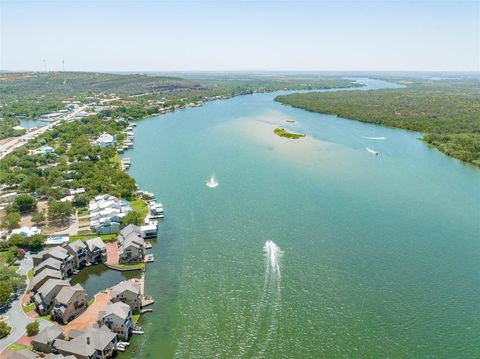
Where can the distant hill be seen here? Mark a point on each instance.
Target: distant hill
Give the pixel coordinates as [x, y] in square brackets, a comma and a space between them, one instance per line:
[53, 84]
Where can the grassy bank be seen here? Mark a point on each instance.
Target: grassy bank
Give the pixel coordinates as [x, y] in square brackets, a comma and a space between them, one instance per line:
[447, 111]
[282, 133]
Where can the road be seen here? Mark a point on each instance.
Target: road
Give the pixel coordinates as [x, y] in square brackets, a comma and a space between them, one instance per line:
[15, 316]
[17, 142]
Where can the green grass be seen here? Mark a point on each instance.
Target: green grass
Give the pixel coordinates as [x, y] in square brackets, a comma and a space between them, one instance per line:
[45, 317]
[15, 346]
[91, 301]
[282, 133]
[135, 318]
[30, 274]
[28, 308]
[139, 206]
[116, 160]
[105, 237]
[136, 266]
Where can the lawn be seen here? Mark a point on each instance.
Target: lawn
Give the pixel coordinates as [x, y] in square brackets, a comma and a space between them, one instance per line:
[15, 346]
[105, 237]
[137, 266]
[28, 308]
[139, 206]
[30, 274]
[135, 317]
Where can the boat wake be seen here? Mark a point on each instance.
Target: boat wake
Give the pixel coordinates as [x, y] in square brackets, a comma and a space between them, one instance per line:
[212, 182]
[265, 321]
[373, 152]
[375, 138]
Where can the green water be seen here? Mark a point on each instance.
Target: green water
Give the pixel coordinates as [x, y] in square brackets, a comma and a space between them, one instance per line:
[381, 254]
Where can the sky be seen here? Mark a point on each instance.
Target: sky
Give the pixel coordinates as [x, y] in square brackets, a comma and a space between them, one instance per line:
[240, 36]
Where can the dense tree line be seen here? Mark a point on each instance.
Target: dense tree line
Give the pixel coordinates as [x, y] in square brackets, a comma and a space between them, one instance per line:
[447, 111]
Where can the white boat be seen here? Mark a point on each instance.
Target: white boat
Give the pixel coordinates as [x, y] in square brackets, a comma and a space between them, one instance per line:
[372, 151]
[212, 182]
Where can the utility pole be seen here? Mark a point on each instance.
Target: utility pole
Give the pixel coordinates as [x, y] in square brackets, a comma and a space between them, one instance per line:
[44, 65]
[63, 65]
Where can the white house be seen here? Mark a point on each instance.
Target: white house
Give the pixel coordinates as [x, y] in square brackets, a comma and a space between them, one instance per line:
[105, 140]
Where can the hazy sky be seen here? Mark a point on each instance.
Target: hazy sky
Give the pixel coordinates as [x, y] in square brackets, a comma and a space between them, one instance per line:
[228, 35]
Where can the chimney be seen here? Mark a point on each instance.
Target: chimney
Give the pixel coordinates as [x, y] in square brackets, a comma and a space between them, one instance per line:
[88, 340]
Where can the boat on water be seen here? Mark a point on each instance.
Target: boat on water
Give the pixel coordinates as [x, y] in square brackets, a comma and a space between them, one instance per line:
[212, 182]
[155, 210]
[373, 152]
[375, 138]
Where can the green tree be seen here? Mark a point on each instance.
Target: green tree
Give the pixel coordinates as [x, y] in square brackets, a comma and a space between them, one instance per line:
[4, 329]
[11, 220]
[132, 217]
[35, 243]
[25, 203]
[16, 240]
[33, 328]
[38, 218]
[59, 211]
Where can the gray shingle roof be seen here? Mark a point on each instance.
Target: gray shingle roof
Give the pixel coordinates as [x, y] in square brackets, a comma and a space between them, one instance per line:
[22, 354]
[48, 335]
[66, 293]
[95, 243]
[119, 309]
[47, 273]
[77, 244]
[50, 285]
[49, 262]
[121, 287]
[87, 342]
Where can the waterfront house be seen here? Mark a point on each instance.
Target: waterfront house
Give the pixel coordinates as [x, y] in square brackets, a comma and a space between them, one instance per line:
[118, 318]
[45, 296]
[106, 213]
[58, 253]
[87, 344]
[96, 250]
[149, 230]
[131, 249]
[40, 278]
[105, 140]
[69, 303]
[78, 250]
[43, 341]
[50, 263]
[131, 228]
[127, 292]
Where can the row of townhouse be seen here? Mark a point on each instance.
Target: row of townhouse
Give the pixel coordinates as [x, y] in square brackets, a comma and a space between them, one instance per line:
[114, 323]
[106, 213]
[131, 245]
[50, 290]
[90, 343]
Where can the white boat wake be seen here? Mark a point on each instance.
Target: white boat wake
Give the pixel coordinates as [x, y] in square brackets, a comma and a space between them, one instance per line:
[373, 152]
[265, 322]
[375, 138]
[212, 182]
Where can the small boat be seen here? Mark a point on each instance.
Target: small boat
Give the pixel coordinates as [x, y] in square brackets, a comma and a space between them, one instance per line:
[212, 182]
[372, 151]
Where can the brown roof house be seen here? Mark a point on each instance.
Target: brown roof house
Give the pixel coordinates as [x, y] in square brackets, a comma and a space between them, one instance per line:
[69, 303]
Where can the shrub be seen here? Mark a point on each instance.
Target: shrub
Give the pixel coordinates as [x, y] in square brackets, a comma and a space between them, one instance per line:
[4, 329]
[32, 328]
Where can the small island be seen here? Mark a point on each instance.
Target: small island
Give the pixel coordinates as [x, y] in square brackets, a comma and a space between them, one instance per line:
[282, 133]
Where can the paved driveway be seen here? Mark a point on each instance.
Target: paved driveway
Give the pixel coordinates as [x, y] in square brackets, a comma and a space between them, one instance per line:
[16, 318]
[89, 317]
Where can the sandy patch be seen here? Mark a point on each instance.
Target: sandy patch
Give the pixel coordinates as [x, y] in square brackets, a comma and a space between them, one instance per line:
[260, 130]
[89, 317]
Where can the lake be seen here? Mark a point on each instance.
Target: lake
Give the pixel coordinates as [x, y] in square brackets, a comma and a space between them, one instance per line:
[308, 248]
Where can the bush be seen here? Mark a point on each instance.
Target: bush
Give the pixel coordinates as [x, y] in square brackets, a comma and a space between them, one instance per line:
[4, 329]
[11, 220]
[132, 217]
[38, 218]
[25, 203]
[32, 328]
